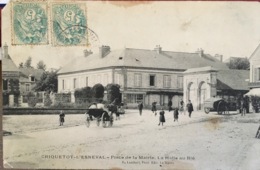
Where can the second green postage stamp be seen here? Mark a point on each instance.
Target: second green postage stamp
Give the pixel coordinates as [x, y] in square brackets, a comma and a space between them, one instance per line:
[29, 23]
[69, 24]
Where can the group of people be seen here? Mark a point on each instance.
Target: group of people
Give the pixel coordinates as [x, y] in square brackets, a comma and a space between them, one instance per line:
[176, 110]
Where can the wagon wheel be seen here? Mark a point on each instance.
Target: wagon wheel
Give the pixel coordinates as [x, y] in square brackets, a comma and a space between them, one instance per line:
[103, 119]
[226, 110]
[88, 122]
[206, 110]
[98, 121]
[111, 119]
[221, 107]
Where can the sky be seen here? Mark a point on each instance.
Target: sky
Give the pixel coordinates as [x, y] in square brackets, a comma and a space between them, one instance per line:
[225, 28]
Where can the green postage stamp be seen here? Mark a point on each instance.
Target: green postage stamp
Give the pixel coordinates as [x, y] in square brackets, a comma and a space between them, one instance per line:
[69, 24]
[29, 23]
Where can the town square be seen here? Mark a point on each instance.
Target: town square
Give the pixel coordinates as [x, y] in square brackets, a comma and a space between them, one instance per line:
[130, 85]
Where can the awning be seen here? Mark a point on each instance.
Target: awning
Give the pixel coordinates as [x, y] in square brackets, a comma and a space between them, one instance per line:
[253, 92]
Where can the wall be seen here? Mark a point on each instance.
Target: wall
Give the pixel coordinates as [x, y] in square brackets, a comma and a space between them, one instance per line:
[254, 73]
[159, 81]
[195, 81]
[103, 76]
[35, 111]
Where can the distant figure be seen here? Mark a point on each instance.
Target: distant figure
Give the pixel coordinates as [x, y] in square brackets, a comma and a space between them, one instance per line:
[161, 118]
[140, 108]
[62, 116]
[176, 114]
[182, 107]
[170, 105]
[243, 107]
[189, 108]
[154, 108]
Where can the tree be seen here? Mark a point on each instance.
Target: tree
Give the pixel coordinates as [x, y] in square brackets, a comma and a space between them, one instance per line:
[83, 95]
[47, 100]
[41, 65]
[48, 82]
[98, 91]
[28, 62]
[21, 65]
[239, 64]
[113, 92]
[32, 99]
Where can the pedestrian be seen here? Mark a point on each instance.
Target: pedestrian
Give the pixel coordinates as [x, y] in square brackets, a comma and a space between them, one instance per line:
[62, 117]
[161, 118]
[189, 108]
[154, 108]
[243, 107]
[176, 114]
[170, 105]
[182, 107]
[140, 107]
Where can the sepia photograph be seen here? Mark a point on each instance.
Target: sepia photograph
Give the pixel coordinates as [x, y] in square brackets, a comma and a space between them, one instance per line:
[130, 84]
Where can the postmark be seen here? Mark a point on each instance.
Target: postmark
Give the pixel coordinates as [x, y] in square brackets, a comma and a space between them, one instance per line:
[29, 23]
[69, 24]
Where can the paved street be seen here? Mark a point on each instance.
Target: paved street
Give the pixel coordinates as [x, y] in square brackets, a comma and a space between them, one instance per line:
[205, 141]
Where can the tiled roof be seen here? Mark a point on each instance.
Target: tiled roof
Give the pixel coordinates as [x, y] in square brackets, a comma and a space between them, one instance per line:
[232, 79]
[26, 72]
[143, 59]
[8, 65]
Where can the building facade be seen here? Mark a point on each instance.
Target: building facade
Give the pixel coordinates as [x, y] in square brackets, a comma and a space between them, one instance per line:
[254, 81]
[143, 75]
[18, 82]
[203, 83]
[10, 80]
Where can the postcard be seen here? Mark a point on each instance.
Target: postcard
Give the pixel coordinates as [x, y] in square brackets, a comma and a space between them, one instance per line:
[130, 84]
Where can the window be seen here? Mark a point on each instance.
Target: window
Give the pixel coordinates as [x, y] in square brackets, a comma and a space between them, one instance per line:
[25, 99]
[135, 98]
[166, 81]
[138, 80]
[118, 79]
[105, 79]
[86, 81]
[27, 87]
[32, 78]
[63, 84]
[74, 83]
[5, 84]
[152, 80]
[98, 79]
[180, 82]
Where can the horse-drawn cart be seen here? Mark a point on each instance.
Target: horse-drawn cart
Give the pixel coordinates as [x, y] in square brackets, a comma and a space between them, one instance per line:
[101, 115]
[216, 104]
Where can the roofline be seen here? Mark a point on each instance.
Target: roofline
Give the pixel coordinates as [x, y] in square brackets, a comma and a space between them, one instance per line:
[130, 67]
[197, 72]
[254, 51]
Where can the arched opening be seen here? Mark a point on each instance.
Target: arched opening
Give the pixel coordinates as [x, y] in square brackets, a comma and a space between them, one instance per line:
[191, 92]
[202, 94]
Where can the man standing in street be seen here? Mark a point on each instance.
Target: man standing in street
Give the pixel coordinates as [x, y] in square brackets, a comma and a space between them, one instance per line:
[170, 105]
[140, 107]
[189, 108]
[62, 116]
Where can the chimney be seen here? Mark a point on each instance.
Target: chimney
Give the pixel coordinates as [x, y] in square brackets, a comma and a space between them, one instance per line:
[158, 49]
[200, 51]
[219, 57]
[104, 50]
[5, 51]
[87, 53]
